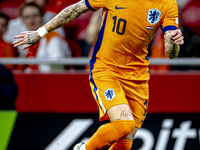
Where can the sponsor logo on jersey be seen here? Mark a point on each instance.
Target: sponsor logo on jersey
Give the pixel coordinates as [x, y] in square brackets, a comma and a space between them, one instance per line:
[109, 94]
[153, 16]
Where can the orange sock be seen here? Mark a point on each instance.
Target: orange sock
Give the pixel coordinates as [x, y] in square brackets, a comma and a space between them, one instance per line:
[122, 145]
[110, 133]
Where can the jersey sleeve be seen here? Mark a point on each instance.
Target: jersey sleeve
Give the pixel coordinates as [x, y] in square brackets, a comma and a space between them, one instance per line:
[95, 4]
[170, 21]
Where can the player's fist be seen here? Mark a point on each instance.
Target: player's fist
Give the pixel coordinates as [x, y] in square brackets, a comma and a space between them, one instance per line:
[176, 37]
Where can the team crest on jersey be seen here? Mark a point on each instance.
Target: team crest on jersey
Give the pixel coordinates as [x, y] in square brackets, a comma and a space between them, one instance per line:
[109, 94]
[153, 16]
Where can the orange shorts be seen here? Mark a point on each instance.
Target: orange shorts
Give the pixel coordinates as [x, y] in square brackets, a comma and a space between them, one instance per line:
[109, 91]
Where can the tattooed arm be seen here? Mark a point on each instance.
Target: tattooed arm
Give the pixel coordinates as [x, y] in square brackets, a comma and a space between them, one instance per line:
[67, 15]
[64, 17]
[172, 40]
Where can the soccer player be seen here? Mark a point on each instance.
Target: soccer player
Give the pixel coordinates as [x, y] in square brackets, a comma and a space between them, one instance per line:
[119, 67]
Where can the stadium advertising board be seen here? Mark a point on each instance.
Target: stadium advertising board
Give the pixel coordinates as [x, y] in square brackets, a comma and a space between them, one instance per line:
[62, 131]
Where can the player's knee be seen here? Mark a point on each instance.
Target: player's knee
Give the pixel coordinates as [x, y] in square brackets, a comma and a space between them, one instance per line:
[124, 127]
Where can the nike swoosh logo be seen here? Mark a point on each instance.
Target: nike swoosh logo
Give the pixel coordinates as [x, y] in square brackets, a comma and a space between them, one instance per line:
[120, 7]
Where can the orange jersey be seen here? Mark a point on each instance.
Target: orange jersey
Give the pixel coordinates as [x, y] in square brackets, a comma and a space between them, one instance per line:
[127, 28]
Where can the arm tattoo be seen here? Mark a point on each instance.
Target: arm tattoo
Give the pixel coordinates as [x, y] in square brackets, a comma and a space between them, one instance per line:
[171, 49]
[33, 37]
[125, 113]
[67, 15]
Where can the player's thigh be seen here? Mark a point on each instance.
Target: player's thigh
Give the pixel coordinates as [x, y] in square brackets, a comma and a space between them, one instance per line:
[137, 94]
[120, 112]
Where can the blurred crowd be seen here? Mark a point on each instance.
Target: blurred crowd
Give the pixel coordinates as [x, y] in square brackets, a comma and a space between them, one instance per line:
[77, 38]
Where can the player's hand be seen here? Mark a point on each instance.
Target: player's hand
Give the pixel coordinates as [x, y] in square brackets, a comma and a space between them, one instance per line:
[28, 38]
[176, 37]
